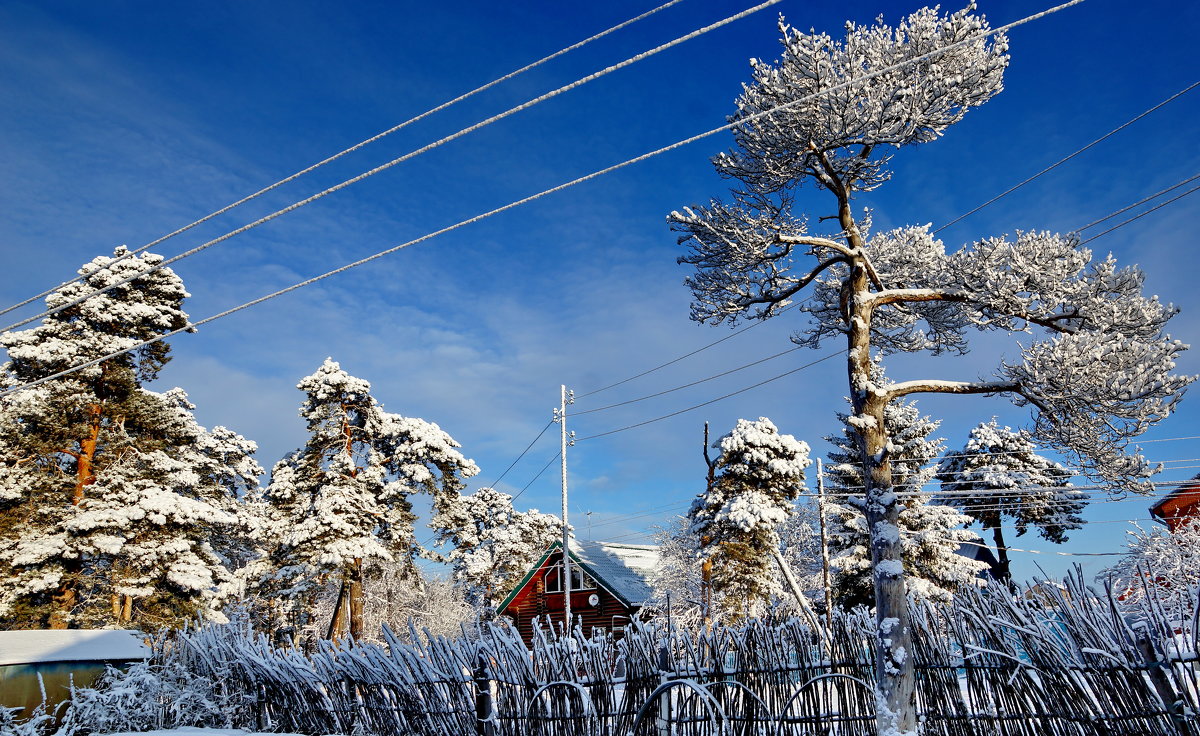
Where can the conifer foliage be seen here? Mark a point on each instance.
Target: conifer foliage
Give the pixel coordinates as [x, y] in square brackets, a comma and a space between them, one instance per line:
[492, 544]
[999, 475]
[116, 507]
[930, 533]
[755, 480]
[344, 499]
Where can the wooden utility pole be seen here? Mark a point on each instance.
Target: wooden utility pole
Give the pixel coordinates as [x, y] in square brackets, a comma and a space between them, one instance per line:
[560, 416]
[824, 545]
[706, 567]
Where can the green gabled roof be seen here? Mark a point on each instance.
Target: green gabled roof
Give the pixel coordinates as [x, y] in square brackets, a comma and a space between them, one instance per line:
[528, 576]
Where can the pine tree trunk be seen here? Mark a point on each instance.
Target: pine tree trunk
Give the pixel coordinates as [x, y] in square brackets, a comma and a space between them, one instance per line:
[1003, 572]
[66, 597]
[355, 592]
[337, 625]
[896, 707]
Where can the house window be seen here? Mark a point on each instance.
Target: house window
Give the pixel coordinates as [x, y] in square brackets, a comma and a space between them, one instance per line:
[579, 580]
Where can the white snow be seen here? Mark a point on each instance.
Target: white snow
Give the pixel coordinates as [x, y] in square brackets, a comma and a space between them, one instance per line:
[88, 645]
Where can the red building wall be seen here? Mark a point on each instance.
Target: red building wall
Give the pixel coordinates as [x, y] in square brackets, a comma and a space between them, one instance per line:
[532, 601]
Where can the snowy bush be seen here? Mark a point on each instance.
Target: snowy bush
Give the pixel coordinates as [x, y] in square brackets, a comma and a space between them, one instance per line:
[149, 695]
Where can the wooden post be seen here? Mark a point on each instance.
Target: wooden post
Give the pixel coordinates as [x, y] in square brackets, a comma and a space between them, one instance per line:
[485, 724]
[1155, 670]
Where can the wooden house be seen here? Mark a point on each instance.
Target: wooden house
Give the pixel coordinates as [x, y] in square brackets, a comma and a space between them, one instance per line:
[1179, 505]
[609, 585]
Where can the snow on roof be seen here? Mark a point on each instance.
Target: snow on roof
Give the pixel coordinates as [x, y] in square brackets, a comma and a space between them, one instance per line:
[71, 645]
[625, 568]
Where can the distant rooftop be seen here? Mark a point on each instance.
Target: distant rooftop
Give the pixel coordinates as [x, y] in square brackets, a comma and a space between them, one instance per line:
[72, 645]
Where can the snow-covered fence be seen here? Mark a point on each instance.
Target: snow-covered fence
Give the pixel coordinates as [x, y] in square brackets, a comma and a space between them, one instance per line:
[1069, 661]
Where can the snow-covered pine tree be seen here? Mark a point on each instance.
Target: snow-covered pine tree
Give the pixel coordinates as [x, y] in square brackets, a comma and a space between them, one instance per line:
[998, 474]
[344, 498]
[832, 113]
[492, 545]
[754, 482]
[930, 534]
[116, 507]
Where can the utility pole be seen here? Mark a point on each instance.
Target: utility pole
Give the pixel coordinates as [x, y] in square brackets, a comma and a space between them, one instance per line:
[560, 416]
[824, 546]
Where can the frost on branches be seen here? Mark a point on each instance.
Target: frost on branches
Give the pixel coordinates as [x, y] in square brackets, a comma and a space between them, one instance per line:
[1162, 568]
[117, 508]
[492, 544]
[1100, 368]
[998, 475]
[344, 498]
[754, 482]
[930, 534]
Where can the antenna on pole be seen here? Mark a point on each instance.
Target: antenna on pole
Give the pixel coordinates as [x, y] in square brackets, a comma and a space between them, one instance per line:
[560, 416]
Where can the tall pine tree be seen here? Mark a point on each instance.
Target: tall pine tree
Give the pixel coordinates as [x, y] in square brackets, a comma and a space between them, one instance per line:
[930, 534]
[116, 507]
[344, 499]
[998, 474]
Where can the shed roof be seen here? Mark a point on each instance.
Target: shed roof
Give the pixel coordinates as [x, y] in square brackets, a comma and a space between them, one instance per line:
[1189, 488]
[71, 645]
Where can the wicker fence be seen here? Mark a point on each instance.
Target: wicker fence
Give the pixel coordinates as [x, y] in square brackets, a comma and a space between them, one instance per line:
[1070, 662]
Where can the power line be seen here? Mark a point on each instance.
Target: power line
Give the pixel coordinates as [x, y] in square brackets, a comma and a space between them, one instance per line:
[539, 475]
[710, 401]
[1140, 215]
[730, 336]
[689, 385]
[357, 146]
[1062, 161]
[527, 448]
[410, 155]
[552, 190]
[1138, 203]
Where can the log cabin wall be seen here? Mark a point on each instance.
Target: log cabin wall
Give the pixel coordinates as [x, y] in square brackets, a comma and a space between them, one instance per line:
[532, 601]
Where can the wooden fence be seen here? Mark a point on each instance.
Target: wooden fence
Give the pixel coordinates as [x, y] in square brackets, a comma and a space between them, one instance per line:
[1070, 662]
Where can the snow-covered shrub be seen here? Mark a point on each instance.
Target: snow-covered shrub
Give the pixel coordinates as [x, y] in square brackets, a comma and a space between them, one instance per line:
[161, 693]
[34, 725]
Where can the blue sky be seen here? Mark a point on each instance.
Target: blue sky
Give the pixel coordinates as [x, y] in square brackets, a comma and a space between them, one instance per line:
[125, 120]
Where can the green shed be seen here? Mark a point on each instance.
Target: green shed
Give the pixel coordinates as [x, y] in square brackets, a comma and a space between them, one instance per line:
[60, 657]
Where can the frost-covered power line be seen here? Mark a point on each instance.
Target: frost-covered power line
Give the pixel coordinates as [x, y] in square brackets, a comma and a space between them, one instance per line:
[361, 144]
[1067, 158]
[553, 190]
[408, 156]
